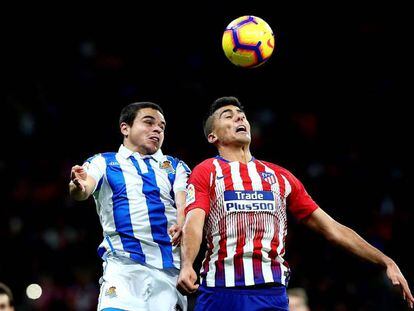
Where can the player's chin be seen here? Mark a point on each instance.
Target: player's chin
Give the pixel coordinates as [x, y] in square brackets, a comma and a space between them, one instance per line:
[152, 147]
[243, 138]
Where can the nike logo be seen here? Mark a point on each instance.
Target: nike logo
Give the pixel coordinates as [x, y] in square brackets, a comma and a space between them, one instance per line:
[219, 177]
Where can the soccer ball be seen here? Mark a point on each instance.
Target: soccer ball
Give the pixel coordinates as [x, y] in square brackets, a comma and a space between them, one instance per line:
[248, 41]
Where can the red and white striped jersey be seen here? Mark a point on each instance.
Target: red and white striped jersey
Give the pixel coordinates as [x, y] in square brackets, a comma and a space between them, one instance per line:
[246, 222]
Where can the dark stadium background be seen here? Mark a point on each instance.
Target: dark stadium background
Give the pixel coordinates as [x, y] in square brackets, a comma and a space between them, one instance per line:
[331, 105]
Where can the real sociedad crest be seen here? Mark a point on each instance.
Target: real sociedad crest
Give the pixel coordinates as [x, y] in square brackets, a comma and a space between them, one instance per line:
[167, 165]
[269, 177]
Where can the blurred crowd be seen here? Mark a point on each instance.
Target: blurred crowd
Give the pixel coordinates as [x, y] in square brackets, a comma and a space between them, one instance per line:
[62, 104]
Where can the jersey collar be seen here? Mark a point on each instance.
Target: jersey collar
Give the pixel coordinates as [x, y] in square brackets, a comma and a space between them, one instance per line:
[126, 153]
[227, 161]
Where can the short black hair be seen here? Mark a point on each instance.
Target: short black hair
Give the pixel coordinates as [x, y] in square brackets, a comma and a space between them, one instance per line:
[129, 112]
[4, 289]
[217, 104]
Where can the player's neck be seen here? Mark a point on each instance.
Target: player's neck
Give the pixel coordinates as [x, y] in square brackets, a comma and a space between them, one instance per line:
[135, 148]
[235, 153]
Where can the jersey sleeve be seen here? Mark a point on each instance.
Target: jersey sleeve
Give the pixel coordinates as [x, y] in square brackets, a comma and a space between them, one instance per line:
[198, 189]
[300, 203]
[182, 172]
[95, 167]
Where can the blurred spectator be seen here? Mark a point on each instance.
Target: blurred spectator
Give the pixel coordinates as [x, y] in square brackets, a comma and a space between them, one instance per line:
[298, 299]
[6, 298]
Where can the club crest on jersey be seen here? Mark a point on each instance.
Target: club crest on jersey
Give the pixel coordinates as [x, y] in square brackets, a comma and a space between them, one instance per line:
[111, 292]
[269, 177]
[167, 166]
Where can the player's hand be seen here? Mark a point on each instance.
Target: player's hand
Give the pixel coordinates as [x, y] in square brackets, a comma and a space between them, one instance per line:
[175, 232]
[398, 280]
[78, 177]
[186, 281]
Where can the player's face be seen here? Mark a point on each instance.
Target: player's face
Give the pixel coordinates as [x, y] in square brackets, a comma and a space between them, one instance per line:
[5, 303]
[231, 126]
[146, 134]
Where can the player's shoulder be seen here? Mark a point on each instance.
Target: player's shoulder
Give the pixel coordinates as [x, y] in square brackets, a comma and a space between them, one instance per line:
[277, 168]
[174, 161]
[101, 156]
[206, 164]
[204, 168]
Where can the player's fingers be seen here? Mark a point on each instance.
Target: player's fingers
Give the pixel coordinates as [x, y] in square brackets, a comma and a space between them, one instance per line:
[405, 290]
[75, 169]
[72, 174]
[194, 288]
[79, 184]
[407, 293]
[172, 229]
[182, 287]
[175, 240]
[186, 285]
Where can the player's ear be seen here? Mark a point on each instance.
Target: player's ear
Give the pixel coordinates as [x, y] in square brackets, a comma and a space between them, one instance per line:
[124, 128]
[212, 138]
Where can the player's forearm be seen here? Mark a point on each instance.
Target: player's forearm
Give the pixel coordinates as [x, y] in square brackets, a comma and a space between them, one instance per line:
[352, 242]
[344, 237]
[180, 204]
[190, 243]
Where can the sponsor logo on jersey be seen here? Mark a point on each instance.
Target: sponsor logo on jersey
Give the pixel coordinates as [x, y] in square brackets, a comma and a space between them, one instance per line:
[113, 163]
[190, 196]
[249, 201]
[167, 166]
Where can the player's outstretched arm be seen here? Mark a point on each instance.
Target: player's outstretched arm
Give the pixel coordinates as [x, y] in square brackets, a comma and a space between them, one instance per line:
[175, 230]
[345, 237]
[190, 246]
[81, 184]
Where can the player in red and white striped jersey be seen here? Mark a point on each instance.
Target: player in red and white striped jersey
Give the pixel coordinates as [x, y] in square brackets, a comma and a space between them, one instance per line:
[241, 202]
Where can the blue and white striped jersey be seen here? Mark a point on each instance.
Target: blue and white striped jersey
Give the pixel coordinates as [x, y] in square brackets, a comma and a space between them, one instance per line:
[134, 199]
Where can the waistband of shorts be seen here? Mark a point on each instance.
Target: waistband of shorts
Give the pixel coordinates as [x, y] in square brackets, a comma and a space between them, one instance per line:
[263, 289]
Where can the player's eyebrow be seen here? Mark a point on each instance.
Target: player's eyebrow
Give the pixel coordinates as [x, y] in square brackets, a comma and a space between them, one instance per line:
[224, 111]
[229, 110]
[153, 119]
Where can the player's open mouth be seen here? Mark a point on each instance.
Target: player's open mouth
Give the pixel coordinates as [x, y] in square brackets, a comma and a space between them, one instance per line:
[241, 128]
[154, 139]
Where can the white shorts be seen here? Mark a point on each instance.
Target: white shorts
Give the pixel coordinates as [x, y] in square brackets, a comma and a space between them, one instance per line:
[131, 286]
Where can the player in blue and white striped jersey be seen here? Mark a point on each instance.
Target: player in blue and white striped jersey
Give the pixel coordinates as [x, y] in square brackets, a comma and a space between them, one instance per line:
[140, 196]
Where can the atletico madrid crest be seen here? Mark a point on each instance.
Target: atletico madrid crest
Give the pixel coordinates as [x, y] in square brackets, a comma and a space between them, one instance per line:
[269, 177]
